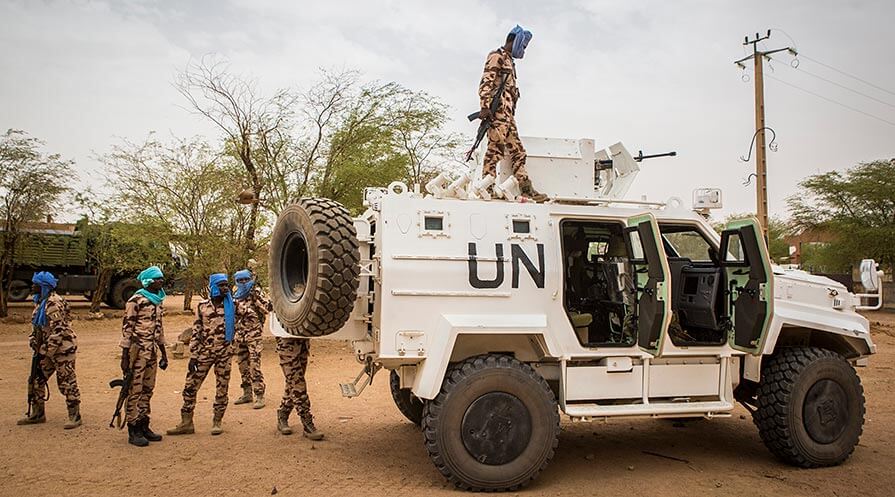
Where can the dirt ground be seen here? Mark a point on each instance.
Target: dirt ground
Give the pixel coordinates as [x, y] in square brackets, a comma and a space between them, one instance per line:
[370, 449]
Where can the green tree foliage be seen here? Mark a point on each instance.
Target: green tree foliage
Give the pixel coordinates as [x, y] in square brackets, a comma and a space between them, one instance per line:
[31, 182]
[344, 135]
[857, 207]
[778, 230]
[116, 245]
[189, 192]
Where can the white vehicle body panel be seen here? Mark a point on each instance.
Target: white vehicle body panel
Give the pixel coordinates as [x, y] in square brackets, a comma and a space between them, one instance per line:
[418, 309]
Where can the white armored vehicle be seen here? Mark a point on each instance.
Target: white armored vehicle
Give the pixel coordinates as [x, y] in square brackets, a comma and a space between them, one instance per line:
[495, 316]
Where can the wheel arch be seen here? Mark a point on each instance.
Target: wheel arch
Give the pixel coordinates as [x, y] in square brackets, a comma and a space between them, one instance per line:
[524, 337]
[846, 345]
[850, 340]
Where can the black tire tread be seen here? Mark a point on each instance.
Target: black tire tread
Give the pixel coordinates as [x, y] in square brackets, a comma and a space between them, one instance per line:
[338, 269]
[116, 298]
[774, 393]
[456, 373]
[409, 405]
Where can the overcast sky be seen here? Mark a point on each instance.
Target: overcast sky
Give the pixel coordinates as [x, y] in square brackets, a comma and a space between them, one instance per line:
[656, 75]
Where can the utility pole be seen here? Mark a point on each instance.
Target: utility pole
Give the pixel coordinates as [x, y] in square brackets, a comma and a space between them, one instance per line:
[761, 165]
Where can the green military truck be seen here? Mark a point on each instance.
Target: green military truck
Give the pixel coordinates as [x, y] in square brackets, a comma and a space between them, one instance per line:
[63, 249]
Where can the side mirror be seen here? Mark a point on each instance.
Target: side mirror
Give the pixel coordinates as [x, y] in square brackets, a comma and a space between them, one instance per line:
[869, 275]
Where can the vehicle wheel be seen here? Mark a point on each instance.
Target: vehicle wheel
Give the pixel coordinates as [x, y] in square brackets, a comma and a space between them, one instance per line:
[121, 291]
[409, 405]
[494, 425]
[19, 291]
[314, 267]
[810, 407]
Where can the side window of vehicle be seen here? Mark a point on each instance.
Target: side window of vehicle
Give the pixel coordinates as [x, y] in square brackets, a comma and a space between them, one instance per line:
[689, 244]
[596, 249]
[636, 247]
[734, 253]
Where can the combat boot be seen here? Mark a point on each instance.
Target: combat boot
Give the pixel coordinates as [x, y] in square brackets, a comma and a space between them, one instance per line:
[185, 427]
[135, 435]
[216, 428]
[246, 396]
[310, 431]
[74, 417]
[148, 434]
[38, 415]
[283, 421]
[259, 401]
[529, 191]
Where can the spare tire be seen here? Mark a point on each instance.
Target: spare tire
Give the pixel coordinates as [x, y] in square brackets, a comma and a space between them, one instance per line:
[314, 267]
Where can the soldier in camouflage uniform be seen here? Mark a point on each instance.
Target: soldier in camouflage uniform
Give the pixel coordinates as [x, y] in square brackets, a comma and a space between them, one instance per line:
[142, 341]
[293, 354]
[252, 307]
[210, 347]
[55, 343]
[503, 137]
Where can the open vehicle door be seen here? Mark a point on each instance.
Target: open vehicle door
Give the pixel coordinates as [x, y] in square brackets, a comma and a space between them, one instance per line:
[747, 268]
[651, 281]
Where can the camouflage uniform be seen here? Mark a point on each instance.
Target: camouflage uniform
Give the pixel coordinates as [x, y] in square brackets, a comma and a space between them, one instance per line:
[250, 315]
[142, 334]
[293, 354]
[503, 137]
[57, 345]
[210, 349]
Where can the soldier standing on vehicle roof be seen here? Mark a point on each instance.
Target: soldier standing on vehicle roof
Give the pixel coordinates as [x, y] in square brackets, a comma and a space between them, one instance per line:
[503, 137]
[252, 307]
[142, 335]
[56, 344]
[293, 354]
[210, 347]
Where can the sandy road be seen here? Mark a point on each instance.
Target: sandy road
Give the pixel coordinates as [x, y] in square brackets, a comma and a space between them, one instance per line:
[370, 448]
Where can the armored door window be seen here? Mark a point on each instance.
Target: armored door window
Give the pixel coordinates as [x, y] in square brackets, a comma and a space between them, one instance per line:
[732, 248]
[434, 223]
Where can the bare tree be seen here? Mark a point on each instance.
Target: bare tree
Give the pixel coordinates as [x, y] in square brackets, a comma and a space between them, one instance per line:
[419, 131]
[234, 105]
[30, 183]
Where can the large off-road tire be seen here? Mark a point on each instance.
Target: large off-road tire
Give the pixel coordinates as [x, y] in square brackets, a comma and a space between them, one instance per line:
[410, 405]
[314, 267]
[121, 291]
[810, 407]
[494, 426]
[19, 291]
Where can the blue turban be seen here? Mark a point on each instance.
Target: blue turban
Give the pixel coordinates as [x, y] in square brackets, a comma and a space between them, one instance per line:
[243, 289]
[520, 42]
[47, 283]
[229, 311]
[146, 277]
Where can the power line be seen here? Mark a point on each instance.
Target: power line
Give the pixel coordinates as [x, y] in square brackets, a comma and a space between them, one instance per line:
[891, 123]
[840, 71]
[857, 92]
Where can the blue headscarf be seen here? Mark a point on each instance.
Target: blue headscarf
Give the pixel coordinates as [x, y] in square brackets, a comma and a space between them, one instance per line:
[47, 283]
[146, 277]
[229, 311]
[520, 41]
[243, 289]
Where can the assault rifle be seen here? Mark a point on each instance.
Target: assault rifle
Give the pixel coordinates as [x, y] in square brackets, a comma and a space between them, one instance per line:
[36, 376]
[486, 123]
[125, 384]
